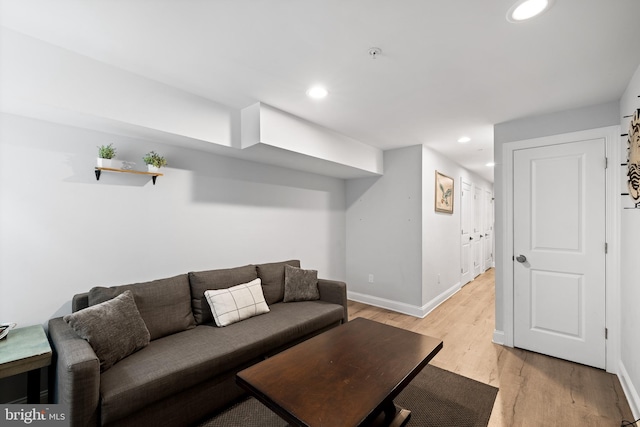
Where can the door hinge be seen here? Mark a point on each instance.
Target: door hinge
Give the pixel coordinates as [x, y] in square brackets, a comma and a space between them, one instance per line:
[606, 333]
[606, 162]
[606, 248]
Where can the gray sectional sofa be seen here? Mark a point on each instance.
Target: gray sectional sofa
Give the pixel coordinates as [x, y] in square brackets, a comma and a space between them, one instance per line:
[187, 370]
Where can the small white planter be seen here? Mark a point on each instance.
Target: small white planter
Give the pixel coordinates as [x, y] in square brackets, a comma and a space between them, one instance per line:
[153, 169]
[105, 163]
[110, 163]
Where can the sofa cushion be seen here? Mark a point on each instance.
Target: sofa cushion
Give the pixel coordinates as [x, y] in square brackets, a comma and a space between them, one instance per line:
[236, 303]
[215, 279]
[165, 304]
[272, 276]
[178, 362]
[114, 328]
[300, 285]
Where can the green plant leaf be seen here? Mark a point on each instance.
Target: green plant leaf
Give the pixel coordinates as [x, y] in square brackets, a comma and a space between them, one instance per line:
[106, 151]
[154, 159]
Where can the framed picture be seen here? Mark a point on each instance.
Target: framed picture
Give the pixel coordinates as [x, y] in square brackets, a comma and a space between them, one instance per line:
[444, 193]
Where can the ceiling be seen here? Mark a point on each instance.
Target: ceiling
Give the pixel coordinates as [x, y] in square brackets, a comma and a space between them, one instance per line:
[448, 68]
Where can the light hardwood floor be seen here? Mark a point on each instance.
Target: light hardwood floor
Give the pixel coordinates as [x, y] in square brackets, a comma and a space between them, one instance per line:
[534, 390]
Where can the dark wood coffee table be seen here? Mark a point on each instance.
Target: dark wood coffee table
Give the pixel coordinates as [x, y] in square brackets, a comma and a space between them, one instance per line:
[347, 376]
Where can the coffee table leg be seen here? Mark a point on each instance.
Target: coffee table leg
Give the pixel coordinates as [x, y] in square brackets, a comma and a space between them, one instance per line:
[395, 416]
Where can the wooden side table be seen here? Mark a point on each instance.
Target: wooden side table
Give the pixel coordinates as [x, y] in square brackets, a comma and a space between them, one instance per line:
[25, 350]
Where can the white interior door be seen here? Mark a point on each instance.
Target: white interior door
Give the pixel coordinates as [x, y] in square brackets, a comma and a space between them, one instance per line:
[478, 234]
[488, 230]
[559, 250]
[466, 230]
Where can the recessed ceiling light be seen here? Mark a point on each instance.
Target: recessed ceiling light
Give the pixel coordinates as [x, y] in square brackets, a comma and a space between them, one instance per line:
[527, 9]
[490, 164]
[464, 140]
[317, 92]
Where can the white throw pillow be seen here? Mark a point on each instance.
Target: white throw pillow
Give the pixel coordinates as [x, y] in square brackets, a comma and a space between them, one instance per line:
[237, 303]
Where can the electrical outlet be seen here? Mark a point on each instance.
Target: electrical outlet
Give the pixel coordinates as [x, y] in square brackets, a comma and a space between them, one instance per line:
[370, 278]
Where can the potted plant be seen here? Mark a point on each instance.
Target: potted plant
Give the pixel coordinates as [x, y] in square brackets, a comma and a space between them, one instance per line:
[154, 161]
[106, 154]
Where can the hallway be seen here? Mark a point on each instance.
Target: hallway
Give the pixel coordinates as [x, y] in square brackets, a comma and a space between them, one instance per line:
[535, 390]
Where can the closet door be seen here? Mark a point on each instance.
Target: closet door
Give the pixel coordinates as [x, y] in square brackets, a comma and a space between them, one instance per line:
[559, 250]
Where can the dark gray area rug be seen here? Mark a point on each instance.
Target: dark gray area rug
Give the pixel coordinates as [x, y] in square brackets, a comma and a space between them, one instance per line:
[435, 397]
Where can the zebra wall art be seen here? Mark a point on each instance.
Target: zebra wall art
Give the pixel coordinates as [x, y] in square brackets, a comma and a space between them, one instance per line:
[633, 171]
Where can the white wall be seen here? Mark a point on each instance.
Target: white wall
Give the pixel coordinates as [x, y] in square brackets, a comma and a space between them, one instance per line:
[384, 235]
[63, 232]
[44, 81]
[630, 267]
[441, 232]
[394, 233]
[39, 80]
[264, 124]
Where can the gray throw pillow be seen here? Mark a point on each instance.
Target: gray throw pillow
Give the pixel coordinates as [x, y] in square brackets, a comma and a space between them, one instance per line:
[165, 304]
[300, 285]
[114, 328]
[272, 276]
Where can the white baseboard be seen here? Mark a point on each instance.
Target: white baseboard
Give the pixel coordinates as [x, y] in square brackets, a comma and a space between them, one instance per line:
[630, 391]
[401, 307]
[498, 337]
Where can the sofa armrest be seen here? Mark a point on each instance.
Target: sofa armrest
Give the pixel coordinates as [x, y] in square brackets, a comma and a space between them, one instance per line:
[80, 301]
[77, 376]
[335, 292]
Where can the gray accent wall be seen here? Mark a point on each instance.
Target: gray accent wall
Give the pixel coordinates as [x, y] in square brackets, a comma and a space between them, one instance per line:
[395, 235]
[384, 230]
[592, 117]
[609, 114]
[536, 127]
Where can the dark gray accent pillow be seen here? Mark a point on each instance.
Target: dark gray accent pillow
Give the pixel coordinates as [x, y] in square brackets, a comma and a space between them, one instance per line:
[300, 285]
[114, 328]
[272, 276]
[165, 304]
[212, 280]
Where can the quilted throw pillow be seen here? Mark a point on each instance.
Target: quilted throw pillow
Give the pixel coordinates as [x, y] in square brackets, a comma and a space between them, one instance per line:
[300, 285]
[237, 303]
[114, 328]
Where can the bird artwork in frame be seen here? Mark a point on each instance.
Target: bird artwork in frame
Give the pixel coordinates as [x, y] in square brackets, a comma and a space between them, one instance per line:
[444, 193]
[633, 162]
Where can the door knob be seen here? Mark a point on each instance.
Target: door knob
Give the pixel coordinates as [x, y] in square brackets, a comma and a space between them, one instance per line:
[521, 258]
[470, 238]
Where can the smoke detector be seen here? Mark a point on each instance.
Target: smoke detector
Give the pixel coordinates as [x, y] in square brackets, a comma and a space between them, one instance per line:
[374, 52]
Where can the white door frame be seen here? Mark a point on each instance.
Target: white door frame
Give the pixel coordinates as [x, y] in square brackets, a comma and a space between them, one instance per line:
[488, 229]
[611, 135]
[478, 221]
[466, 219]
